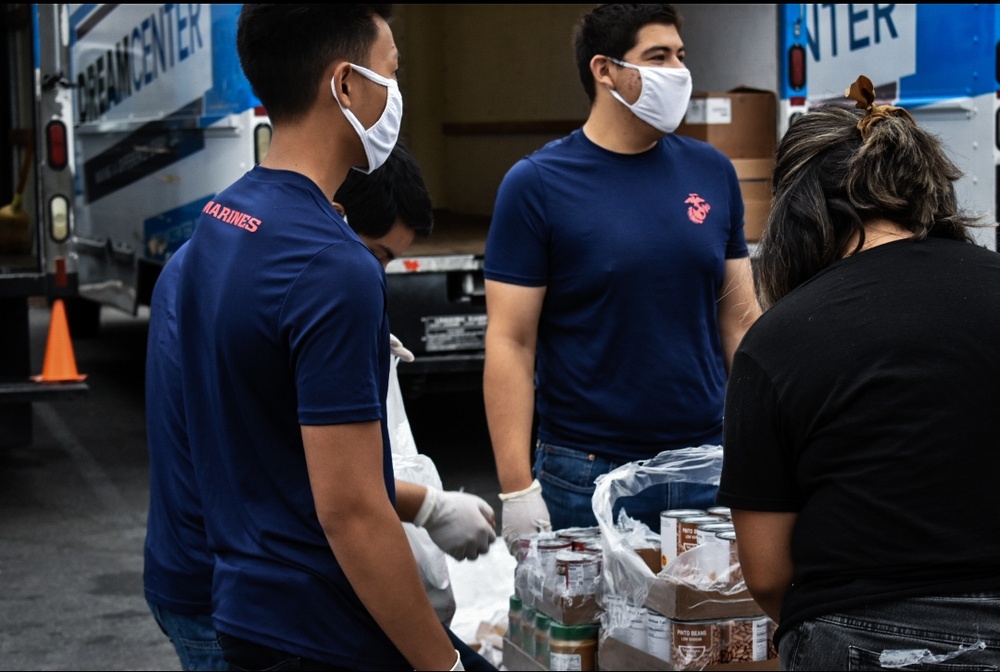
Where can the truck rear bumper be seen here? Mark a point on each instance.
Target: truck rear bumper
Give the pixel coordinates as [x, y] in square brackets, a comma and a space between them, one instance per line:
[20, 391]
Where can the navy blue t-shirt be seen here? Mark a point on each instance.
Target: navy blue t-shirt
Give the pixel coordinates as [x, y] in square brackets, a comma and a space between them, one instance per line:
[282, 322]
[631, 249]
[178, 565]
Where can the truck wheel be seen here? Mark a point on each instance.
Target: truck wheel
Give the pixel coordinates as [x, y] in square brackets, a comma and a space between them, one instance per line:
[83, 316]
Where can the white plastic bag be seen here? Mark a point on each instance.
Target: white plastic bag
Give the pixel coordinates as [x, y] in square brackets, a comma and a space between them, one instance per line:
[626, 579]
[409, 465]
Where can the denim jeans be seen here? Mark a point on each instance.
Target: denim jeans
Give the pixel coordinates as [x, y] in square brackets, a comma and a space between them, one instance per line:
[243, 655]
[567, 477]
[193, 637]
[960, 632]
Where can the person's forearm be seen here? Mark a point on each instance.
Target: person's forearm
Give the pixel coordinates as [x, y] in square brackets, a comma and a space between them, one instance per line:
[509, 396]
[409, 498]
[372, 549]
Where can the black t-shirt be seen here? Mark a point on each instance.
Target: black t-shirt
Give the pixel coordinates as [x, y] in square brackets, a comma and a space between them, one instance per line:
[868, 401]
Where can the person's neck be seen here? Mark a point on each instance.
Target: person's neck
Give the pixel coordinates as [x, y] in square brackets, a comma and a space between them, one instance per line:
[613, 127]
[879, 232]
[321, 154]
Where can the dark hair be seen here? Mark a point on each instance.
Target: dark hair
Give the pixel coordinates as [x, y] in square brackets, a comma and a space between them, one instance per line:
[285, 49]
[828, 182]
[395, 190]
[612, 30]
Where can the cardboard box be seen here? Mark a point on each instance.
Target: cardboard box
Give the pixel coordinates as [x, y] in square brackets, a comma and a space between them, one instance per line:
[613, 654]
[515, 658]
[681, 602]
[568, 609]
[755, 185]
[741, 123]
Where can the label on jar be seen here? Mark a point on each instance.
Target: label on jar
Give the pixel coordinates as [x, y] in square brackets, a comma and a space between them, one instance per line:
[565, 661]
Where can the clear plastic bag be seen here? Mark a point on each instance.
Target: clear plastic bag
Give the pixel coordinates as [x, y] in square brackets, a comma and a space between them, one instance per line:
[409, 465]
[626, 579]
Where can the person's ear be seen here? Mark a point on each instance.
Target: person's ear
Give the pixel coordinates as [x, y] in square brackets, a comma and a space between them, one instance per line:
[600, 68]
[341, 82]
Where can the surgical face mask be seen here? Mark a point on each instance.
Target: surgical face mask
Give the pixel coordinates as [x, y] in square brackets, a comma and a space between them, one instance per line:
[663, 101]
[378, 140]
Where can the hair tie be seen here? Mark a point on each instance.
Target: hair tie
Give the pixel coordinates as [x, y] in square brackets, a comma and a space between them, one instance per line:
[863, 92]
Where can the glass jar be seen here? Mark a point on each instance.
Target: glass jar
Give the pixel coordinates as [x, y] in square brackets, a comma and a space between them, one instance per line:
[572, 647]
[514, 620]
[542, 639]
[528, 630]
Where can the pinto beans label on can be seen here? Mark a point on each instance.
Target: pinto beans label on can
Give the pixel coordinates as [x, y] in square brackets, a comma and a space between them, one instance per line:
[693, 644]
[579, 571]
[687, 531]
[669, 539]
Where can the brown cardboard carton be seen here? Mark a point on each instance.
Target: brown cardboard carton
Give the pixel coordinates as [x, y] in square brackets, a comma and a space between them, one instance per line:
[682, 602]
[755, 185]
[516, 658]
[741, 123]
[568, 609]
[613, 654]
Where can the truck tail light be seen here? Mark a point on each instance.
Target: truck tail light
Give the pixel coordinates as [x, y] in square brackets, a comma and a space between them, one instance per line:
[797, 67]
[55, 136]
[59, 218]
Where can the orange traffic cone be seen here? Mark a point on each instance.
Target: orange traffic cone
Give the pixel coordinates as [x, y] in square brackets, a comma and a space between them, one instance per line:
[60, 364]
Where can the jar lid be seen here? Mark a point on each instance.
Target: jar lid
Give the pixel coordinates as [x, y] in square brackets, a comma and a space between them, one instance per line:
[572, 632]
[515, 602]
[541, 620]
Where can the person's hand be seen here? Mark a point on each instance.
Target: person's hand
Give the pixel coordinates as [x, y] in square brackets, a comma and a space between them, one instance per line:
[396, 347]
[460, 524]
[524, 513]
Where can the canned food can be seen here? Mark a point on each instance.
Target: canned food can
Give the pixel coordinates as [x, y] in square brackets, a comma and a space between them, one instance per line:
[744, 640]
[687, 531]
[669, 540]
[658, 635]
[735, 572]
[721, 511]
[579, 572]
[694, 645]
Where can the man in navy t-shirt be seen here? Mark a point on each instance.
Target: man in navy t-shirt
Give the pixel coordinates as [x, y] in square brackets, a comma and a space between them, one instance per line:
[391, 206]
[284, 339]
[618, 286]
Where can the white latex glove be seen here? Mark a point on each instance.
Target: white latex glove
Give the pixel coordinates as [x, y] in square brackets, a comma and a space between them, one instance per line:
[524, 513]
[459, 523]
[396, 347]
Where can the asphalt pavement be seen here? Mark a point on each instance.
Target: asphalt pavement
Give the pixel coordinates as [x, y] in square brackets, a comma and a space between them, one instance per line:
[73, 512]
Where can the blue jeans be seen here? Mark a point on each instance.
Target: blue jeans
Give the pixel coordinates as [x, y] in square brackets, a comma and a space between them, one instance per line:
[960, 632]
[567, 477]
[193, 636]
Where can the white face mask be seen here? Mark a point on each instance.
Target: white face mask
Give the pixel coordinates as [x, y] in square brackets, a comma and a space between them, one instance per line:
[664, 98]
[378, 140]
